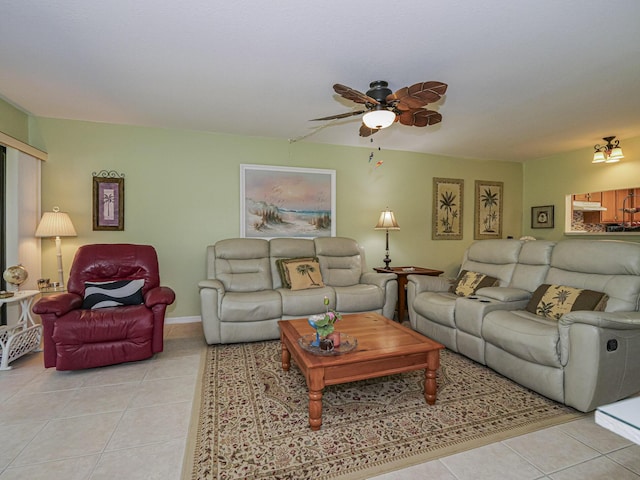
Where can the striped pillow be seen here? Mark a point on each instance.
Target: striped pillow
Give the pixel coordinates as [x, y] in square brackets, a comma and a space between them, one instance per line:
[112, 294]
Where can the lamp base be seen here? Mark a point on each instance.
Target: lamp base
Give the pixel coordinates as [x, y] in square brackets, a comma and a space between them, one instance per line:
[386, 261]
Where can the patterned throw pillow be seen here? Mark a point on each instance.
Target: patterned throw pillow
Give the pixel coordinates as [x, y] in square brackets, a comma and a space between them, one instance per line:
[282, 271]
[304, 274]
[468, 283]
[112, 294]
[553, 301]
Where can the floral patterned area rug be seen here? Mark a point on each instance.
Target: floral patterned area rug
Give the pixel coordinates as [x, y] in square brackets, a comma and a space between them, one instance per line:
[251, 418]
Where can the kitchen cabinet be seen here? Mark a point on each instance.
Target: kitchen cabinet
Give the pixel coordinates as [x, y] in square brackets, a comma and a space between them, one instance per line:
[613, 201]
[588, 197]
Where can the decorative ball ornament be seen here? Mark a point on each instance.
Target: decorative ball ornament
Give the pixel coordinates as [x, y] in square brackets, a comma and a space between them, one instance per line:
[15, 275]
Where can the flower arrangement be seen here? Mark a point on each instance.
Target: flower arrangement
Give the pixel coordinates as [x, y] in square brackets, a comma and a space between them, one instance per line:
[324, 322]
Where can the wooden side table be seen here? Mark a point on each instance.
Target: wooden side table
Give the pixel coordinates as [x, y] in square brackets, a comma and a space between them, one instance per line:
[403, 273]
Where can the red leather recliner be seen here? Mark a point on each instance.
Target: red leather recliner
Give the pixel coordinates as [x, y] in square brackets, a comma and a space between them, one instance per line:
[76, 338]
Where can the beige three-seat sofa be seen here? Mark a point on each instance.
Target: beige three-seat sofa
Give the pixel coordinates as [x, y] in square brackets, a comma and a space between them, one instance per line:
[583, 359]
[243, 297]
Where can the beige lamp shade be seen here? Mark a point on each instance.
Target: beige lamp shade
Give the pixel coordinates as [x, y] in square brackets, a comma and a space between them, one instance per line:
[55, 224]
[387, 221]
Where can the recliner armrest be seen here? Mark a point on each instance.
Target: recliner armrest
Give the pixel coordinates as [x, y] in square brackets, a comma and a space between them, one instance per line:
[159, 296]
[605, 320]
[378, 279]
[614, 320]
[58, 304]
[424, 283]
[214, 284]
[504, 294]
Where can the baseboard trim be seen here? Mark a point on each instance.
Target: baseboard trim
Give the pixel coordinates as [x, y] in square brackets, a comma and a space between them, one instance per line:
[176, 320]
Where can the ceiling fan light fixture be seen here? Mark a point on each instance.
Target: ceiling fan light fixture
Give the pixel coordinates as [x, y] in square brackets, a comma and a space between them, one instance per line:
[377, 119]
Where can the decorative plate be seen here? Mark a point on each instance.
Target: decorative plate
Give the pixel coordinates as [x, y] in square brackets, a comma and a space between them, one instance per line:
[347, 344]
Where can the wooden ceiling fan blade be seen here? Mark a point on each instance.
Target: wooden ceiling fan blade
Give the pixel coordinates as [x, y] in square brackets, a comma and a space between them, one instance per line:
[366, 131]
[420, 117]
[340, 115]
[353, 95]
[417, 95]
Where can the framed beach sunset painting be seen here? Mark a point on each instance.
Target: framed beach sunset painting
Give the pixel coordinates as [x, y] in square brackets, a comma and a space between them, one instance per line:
[287, 202]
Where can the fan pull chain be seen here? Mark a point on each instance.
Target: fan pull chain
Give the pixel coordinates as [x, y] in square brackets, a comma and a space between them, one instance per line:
[372, 154]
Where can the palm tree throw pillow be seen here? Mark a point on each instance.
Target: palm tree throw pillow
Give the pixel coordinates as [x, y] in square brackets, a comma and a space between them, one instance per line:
[553, 301]
[468, 283]
[304, 274]
[282, 271]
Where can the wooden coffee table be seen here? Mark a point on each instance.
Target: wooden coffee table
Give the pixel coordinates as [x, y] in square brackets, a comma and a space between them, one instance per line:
[384, 348]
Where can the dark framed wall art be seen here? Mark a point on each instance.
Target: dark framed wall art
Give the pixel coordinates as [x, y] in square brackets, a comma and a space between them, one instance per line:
[108, 200]
[447, 209]
[542, 216]
[488, 210]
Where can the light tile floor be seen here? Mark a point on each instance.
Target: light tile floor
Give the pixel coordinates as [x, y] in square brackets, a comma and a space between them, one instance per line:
[130, 422]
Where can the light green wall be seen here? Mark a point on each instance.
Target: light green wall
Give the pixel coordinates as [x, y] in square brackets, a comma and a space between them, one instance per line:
[547, 181]
[14, 122]
[182, 194]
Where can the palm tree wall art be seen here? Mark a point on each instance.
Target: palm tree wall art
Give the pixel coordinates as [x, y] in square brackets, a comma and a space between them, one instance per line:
[488, 210]
[448, 201]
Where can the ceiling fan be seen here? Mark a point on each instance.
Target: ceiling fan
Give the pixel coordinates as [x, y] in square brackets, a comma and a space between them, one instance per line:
[384, 107]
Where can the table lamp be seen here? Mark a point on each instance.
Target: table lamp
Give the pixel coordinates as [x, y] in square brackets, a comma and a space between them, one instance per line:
[387, 221]
[56, 224]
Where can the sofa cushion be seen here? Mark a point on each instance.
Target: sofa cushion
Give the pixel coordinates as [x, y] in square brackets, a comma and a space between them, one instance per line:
[302, 303]
[359, 298]
[524, 335]
[553, 301]
[303, 274]
[282, 271]
[250, 306]
[112, 294]
[340, 260]
[468, 282]
[438, 307]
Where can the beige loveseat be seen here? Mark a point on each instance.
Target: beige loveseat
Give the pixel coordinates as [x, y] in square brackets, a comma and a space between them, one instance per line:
[243, 297]
[584, 359]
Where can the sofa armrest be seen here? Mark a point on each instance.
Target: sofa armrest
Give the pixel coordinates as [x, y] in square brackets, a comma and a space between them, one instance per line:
[504, 294]
[58, 304]
[603, 320]
[599, 353]
[378, 279]
[212, 283]
[424, 283]
[211, 293]
[613, 320]
[159, 296]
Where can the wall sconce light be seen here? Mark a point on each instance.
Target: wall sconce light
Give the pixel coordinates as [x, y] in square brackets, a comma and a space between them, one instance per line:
[609, 153]
[387, 221]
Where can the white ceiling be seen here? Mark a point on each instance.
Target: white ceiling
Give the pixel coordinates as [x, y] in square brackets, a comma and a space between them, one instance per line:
[527, 78]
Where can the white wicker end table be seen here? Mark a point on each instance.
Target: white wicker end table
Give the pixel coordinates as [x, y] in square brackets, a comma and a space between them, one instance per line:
[23, 337]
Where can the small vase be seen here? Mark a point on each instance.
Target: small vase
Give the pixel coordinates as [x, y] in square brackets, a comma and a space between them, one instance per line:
[335, 338]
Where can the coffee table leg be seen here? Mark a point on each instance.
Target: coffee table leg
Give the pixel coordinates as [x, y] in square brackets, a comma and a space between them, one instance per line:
[286, 357]
[430, 386]
[316, 385]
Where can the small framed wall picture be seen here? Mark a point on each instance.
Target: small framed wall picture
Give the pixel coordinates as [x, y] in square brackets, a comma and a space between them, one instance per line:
[542, 217]
[108, 200]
